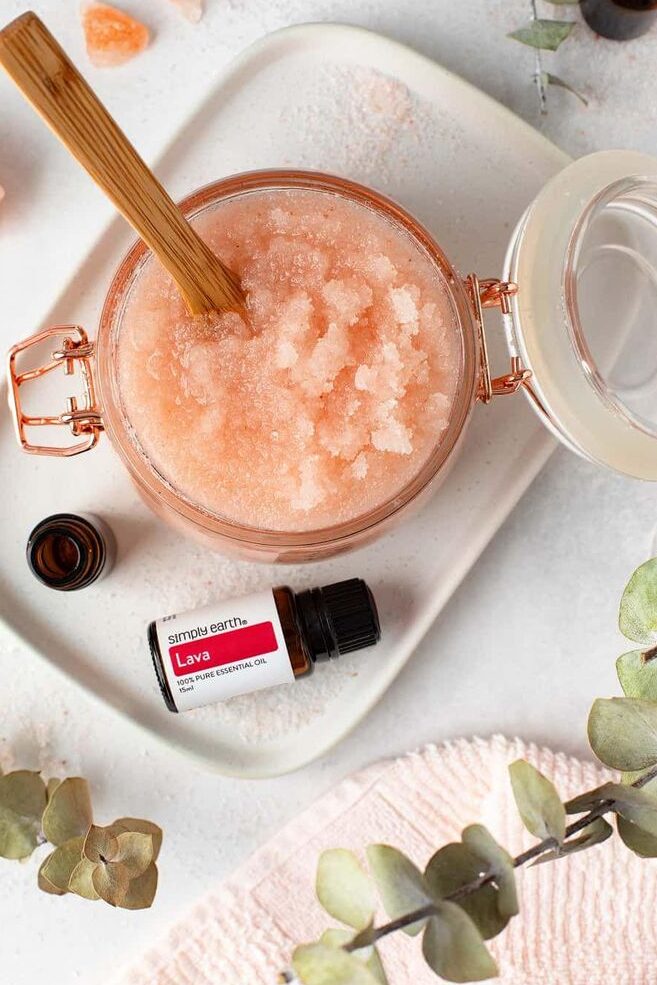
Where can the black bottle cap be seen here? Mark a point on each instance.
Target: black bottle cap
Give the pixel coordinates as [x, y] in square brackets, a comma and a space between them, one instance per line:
[339, 618]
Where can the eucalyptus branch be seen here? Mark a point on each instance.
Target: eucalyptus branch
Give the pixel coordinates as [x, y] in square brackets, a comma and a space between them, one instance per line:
[373, 935]
[546, 34]
[478, 874]
[540, 848]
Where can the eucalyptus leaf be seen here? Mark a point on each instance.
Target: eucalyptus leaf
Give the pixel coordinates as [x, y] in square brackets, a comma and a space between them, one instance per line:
[364, 938]
[538, 802]
[453, 948]
[134, 853]
[56, 869]
[618, 794]
[593, 834]
[344, 889]
[547, 35]
[51, 786]
[24, 793]
[141, 891]
[68, 813]
[375, 966]
[648, 786]
[637, 618]
[22, 801]
[19, 836]
[591, 799]
[641, 842]
[81, 881]
[320, 964]
[455, 865]
[400, 884]
[623, 732]
[111, 882]
[338, 937]
[637, 676]
[100, 845]
[45, 885]
[138, 824]
[634, 804]
[479, 840]
[640, 812]
[555, 80]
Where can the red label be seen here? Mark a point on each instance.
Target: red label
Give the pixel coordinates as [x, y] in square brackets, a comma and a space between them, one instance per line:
[226, 648]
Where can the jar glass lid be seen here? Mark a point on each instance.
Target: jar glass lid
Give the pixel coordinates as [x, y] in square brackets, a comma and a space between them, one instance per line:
[585, 318]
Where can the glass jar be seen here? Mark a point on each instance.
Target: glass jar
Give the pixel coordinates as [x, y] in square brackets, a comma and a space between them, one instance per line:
[578, 367]
[585, 258]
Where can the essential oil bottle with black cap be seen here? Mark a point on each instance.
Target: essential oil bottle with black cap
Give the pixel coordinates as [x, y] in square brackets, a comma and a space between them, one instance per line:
[246, 644]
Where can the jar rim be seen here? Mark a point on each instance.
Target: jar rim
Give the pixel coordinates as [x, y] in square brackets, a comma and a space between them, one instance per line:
[157, 486]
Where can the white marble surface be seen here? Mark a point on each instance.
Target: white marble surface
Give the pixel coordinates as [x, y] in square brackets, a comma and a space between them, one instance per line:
[530, 637]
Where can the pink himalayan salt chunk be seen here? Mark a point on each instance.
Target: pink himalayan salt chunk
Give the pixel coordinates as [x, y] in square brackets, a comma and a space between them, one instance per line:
[191, 9]
[112, 37]
[333, 398]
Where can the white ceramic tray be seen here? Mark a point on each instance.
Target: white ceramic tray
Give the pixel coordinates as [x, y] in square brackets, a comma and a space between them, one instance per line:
[351, 102]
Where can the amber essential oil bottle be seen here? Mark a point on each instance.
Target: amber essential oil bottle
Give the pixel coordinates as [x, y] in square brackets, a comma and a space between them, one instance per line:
[619, 19]
[246, 644]
[69, 551]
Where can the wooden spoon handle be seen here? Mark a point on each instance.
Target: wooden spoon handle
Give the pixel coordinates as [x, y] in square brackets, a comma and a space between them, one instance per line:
[46, 76]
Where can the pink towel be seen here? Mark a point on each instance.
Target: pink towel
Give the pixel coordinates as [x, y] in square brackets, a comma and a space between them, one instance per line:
[585, 920]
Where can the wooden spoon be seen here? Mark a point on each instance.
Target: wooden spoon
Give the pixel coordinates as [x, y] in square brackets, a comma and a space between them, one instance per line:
[43, 72]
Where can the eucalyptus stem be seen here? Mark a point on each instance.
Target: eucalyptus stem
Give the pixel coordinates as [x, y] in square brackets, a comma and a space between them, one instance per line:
[649, 654]
[548, 844]
[539, 74]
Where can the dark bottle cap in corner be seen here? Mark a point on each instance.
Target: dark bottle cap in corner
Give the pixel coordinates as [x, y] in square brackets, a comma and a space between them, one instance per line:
[339, 618]
[69, 551]
[620, 20]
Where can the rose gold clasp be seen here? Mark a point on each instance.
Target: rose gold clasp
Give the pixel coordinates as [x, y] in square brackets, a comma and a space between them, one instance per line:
[492, 293]
[84, 421]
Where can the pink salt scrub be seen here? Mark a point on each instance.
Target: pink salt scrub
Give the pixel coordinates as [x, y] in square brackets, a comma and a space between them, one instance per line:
[333, 398]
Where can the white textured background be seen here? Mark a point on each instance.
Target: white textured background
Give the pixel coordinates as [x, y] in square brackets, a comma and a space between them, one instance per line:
[530, 637]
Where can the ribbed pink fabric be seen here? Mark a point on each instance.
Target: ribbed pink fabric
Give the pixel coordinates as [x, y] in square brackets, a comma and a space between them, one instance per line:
[586, 920]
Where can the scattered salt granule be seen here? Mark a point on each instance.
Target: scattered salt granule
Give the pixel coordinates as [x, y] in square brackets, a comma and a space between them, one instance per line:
[375, 113]
[112, 36]
[279, 711]
[191, 9]
[333, 398]
[385, 96]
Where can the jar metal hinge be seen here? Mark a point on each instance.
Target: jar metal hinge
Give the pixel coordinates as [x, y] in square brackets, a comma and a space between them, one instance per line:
[493, 293]
[84, 421]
